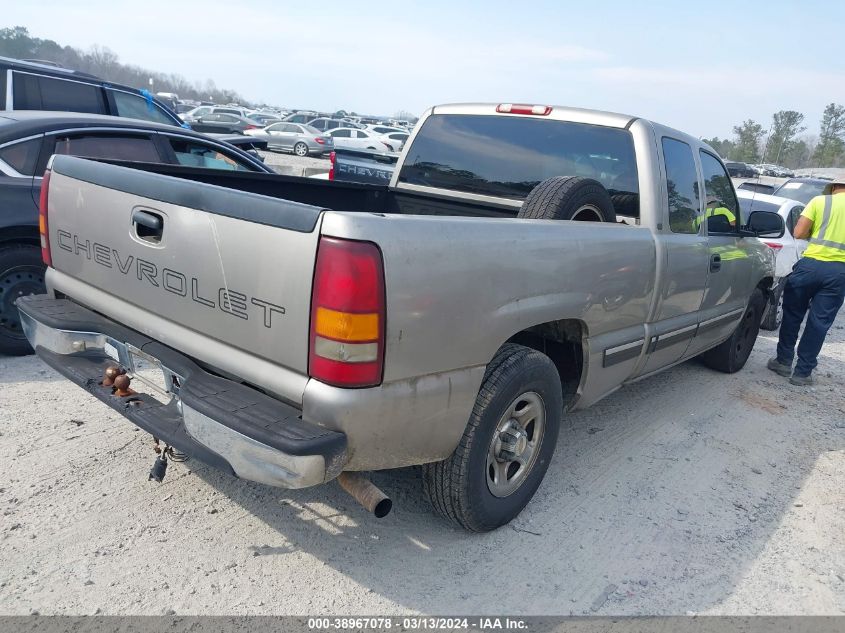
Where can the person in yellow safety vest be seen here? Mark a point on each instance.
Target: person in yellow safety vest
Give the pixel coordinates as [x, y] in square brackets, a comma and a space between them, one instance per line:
[817, 285]
[714, 207]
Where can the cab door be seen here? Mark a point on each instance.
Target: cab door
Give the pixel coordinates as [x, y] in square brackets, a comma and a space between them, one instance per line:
[683, 252]
[730, 263]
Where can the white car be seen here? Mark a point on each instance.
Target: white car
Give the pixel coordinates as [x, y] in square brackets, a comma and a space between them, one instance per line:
[358, 139]
[396, 140]
[787, 248]
[196, 113]
[385, 129]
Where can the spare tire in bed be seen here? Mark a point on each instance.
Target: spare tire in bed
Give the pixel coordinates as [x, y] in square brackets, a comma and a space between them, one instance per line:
[568, 198]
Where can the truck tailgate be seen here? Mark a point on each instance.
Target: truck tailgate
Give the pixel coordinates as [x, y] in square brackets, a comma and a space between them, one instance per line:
[233, 266]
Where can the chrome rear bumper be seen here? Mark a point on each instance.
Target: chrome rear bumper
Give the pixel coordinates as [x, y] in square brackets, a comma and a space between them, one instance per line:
[219, 421]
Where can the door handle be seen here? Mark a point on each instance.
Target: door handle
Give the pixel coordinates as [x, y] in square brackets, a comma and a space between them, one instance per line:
[148, 226]
[715, 263]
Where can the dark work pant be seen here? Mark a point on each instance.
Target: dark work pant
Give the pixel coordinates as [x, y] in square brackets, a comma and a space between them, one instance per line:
[819, 286]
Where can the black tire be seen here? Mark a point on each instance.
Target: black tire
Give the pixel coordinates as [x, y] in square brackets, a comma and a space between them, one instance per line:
[729, 357]
[21, 273]
[458, 487]
[300, 149]
[568, 198]
[774, 311]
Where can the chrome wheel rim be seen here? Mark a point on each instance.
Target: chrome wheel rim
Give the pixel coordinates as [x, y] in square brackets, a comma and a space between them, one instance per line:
[515, 444]
[587, 213]
[300, 150]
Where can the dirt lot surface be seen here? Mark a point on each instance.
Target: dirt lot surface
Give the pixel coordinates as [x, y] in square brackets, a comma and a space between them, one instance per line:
[690, 492]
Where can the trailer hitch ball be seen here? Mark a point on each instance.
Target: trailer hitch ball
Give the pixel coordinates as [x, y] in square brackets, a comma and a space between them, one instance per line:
[121, 386]
[112, 372]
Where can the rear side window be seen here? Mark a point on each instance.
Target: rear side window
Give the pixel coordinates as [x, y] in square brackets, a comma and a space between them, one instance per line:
[137, 107]
[36, 92]
[681, 187]
[508, 156]
[109, 146]
[193, 154]
[22, 156]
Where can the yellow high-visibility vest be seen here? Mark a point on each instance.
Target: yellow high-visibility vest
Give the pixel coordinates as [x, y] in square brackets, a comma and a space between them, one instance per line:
[711, 211]
[827, 238]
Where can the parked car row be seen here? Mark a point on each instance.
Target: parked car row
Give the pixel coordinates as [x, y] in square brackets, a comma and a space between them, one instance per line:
[739, 169]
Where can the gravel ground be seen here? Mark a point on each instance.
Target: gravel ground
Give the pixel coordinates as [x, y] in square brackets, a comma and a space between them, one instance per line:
[690, 492]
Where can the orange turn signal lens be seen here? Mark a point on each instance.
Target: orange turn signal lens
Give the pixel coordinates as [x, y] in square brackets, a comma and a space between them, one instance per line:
[346, 326]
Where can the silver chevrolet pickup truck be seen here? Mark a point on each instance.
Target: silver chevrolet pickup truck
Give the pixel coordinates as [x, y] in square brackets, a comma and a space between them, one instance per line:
[524, 261]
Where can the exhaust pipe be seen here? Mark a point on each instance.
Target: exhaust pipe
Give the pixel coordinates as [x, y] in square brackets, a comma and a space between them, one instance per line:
[366, 493]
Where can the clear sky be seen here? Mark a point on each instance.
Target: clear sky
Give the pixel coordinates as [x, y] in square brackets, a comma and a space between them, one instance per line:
[698, 66]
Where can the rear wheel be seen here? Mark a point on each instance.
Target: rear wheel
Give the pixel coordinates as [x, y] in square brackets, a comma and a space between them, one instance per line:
[300, 149]
[21, 274]
[507, 444]
[729, 357]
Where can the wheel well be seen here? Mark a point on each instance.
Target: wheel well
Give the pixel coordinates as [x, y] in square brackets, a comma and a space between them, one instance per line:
[19, 235]
[563, 342]
[766, 284]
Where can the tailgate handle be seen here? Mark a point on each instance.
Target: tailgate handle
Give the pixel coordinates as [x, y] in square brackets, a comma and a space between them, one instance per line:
[148, 226]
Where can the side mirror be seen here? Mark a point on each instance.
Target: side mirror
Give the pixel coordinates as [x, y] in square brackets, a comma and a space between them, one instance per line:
[766, 224]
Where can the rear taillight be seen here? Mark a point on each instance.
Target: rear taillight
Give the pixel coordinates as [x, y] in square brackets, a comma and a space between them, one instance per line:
[333, 159]
[321, 141]
[774, 245]
[251, 127]
[43, 226]
[347, 314]
[518, 108]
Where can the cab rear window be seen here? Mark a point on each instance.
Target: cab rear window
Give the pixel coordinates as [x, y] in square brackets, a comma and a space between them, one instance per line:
[508, 156]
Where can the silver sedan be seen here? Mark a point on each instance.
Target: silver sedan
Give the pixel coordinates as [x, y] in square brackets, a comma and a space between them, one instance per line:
[301, 139]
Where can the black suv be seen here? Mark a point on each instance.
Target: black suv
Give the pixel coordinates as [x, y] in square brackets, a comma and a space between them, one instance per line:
[740, 170]
[28, 139]
[34, 86]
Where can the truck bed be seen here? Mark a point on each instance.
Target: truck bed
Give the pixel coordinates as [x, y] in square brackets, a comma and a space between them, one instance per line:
[337, 196]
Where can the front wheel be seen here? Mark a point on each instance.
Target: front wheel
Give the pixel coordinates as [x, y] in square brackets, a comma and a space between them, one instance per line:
[506, 446]
[729, 357]
[300, 149]
[21, 274]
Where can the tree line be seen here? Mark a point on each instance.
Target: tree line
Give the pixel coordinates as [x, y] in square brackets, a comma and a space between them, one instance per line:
[16, 42]
[784, 143]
